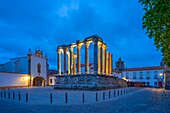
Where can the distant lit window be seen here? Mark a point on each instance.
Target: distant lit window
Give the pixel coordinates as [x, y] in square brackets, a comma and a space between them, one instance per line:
[134, 75]
[141, 75]
[39, 68]
[147, 75]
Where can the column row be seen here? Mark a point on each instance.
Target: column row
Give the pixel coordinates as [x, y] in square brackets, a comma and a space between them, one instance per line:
[102, 59]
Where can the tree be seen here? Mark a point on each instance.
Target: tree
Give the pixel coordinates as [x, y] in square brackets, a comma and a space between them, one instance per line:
[156, 21]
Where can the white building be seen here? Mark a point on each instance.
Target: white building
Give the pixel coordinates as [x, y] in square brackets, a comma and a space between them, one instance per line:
[140, 76]
[32, 69]
[150, 76]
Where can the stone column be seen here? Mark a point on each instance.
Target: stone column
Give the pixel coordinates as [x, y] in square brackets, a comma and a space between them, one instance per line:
[111, 63]
[68, 53]
[87, 57]
[71, 60]
[107, 54]
[104, 59]
[78, 58]
[58, 62]
[65, 63]
[74, 64]
[101, 59]
[95, 55]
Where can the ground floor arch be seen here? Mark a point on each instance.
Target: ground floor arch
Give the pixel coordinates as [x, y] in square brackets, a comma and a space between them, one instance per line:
[38, 81]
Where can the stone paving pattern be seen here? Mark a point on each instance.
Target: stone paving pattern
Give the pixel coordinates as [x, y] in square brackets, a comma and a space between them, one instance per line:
[148, 100]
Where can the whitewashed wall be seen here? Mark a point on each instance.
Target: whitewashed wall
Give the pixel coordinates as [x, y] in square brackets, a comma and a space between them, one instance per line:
[151, 80]
[36, 60]
[13, 79]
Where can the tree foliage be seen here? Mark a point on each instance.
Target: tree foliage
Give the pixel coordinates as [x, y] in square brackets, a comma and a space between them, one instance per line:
[156, 21]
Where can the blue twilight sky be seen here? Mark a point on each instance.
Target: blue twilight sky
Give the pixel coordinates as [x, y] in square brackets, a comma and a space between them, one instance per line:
[45, 24]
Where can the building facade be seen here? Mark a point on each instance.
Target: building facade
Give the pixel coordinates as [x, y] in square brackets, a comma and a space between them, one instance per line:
[141, 76]
[31, 68]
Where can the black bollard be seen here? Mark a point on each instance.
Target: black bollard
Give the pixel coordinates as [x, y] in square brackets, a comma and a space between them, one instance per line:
[109, 95]
[8, 95]
[83, 97]
[66, 97]
[51, 97]
[13, 95]
[114, 93]
[4, 94]
[124, 91]
[121, 91]
[118, 93]
[26, 97]
[19, 96]
[103, 95]
[96, 97]
[1, 94]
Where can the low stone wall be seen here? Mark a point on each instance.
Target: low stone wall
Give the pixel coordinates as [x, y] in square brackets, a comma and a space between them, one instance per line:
[88, 82]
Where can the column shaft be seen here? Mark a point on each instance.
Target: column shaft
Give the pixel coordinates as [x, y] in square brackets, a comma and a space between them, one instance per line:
[111, 63]
[74, 65]
[101, 60]
[95, 56]
[78, 60]
[71, 60]
[107, 56]
[65, 63]
[86, 58]
[59, 68]
[68, 63]
[105, 59]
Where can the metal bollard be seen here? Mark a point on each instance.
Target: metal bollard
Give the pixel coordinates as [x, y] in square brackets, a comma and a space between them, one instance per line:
[121, 91]
[13, 95]
[66, 97]
[19, 96]
[96, 97]
[118, 93]
[103, 95]
[4, 94]
[1, 94]
[8, 95]
[114, 93]
[51, 97]
[109, 95]
[26, 97]
[83, 97]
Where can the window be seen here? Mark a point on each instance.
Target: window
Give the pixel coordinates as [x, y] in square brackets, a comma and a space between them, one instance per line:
[127, 75]
[134, 75]
[155, 74]
[147, 75]
[51, 81]
[141, 75]
[155, 83]
[39, 68]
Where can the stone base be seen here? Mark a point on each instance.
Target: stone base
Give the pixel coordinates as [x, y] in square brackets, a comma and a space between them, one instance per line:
[88, 82]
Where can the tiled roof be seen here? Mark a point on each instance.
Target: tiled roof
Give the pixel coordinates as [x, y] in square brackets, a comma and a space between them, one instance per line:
[145, 68]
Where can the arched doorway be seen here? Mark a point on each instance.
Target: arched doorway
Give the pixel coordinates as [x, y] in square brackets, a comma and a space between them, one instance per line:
[38, 81]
